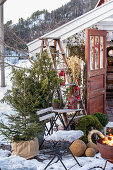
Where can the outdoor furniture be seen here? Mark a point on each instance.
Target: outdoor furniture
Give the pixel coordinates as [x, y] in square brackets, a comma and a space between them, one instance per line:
[47, 115]
[62, 114]
[68, 138]
[52, 115]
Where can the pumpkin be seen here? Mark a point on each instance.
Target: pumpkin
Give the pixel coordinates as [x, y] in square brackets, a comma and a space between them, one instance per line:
[78, 147]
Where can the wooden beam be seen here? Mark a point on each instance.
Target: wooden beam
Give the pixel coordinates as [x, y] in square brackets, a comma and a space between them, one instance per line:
[54, 55]
[53, 38]
[41, 48]
[48, 51]
[62, 53]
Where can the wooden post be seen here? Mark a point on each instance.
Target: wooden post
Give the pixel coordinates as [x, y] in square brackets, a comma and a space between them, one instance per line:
[54, 55]
[62, 52]
[2, 45]
[49, 51]
[42, 46]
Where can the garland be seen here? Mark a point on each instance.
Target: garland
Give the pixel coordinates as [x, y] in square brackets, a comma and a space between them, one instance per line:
[109, 49]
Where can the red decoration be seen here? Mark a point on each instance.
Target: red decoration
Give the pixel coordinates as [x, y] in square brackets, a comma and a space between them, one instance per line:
[72, 102]
[101, 2]
[62, 76]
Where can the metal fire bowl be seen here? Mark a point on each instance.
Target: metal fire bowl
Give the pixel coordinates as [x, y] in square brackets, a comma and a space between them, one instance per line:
[106, 151]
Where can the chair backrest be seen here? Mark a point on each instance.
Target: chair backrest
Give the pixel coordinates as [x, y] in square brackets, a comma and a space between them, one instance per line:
[45, 114]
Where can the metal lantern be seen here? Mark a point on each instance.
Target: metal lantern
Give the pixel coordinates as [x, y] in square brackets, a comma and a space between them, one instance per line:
[63, 78]
[76, 92]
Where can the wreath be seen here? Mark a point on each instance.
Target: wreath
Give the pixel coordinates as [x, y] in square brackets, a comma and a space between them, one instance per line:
[108, 49]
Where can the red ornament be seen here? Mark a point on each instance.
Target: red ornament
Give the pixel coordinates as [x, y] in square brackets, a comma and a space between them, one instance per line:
[62, 76]
[72, 102]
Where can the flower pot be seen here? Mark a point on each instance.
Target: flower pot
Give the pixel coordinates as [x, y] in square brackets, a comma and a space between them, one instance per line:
[25, 149]
[110, 63]
[56, 105]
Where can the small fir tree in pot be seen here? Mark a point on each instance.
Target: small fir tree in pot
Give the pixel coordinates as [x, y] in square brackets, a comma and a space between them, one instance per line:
[30, 91]
[24, 126]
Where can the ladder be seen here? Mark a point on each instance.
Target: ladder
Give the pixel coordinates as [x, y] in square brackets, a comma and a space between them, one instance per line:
[56, 41]
[54, 55]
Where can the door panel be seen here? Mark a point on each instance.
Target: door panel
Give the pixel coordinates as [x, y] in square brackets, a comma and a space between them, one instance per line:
[95, 57]
[96, 104]
[97, 82]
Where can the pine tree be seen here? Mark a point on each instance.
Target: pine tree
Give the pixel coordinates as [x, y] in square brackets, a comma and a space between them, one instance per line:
[31, 89]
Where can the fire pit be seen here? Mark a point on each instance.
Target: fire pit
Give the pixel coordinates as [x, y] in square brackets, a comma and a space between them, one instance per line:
[105, 150]
[104, 144]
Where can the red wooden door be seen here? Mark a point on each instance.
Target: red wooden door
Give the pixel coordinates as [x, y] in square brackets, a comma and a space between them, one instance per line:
[95, 57]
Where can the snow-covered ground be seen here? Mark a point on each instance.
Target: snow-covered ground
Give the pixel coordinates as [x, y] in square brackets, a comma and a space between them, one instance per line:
[18, 163]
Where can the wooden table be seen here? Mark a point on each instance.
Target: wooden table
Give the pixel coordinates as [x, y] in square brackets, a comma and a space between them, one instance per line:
[63, 112]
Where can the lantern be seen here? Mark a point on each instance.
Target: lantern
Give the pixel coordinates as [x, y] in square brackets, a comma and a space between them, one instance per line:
[62, 76]
[72, 102]
[76, 92]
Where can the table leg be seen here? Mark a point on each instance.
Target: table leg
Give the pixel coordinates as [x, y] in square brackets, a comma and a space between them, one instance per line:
[50, 162]
[64, 116]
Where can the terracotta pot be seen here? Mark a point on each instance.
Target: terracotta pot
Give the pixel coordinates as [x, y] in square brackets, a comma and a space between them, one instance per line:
[25, 149]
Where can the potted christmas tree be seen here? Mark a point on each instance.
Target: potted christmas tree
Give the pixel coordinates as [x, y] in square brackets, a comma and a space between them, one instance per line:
[23, 126]
[31, 89]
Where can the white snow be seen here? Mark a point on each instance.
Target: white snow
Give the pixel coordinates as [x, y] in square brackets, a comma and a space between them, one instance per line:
[38, 21]
[18, 163]
[64, 135]
[4, 153]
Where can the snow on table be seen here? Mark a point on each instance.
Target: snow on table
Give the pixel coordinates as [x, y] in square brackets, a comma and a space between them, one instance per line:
[64, 135]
